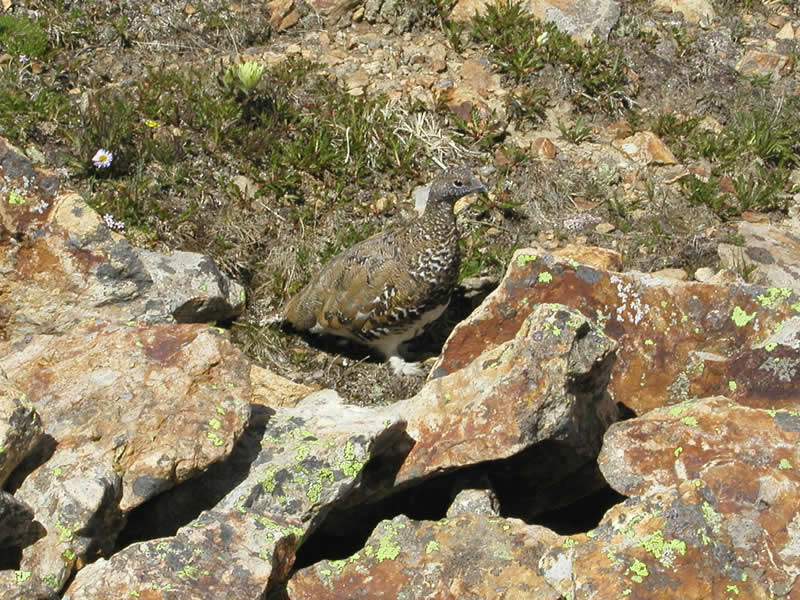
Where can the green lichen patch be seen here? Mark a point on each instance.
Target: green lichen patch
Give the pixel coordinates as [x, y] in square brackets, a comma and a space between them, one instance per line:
[524, 259]
[740, 317]
[639, 570]
[773, 296]
[388, 548]
[544, 277]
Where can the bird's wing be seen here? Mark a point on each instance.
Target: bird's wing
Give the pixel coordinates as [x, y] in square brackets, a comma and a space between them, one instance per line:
[360, 289]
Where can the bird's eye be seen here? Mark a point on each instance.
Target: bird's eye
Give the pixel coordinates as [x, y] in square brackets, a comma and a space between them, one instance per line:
[458, 183]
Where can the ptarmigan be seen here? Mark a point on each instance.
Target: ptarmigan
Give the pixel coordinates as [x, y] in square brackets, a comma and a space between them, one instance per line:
[384, 290]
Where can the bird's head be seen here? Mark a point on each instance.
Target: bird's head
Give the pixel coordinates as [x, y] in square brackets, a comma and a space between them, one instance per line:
[452, 184]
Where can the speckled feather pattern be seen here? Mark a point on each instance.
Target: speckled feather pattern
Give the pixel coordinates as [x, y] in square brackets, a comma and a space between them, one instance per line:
[383, 290]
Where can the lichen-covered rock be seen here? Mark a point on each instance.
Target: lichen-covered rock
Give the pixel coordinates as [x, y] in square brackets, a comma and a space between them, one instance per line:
[20, 428]
[771, 251]
[469, 557]
[541, 392]
[712, 513]
[128, 412]
[311, 459]
[677, 340]
[218, 555]
[60, 263]
[24, 585]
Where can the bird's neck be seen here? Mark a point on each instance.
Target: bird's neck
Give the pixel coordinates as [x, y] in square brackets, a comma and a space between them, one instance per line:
[438, 217]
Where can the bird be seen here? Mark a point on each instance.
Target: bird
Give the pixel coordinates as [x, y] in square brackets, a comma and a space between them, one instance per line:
[384, 290]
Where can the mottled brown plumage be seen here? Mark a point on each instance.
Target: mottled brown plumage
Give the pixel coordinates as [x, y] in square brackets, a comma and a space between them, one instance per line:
[384, 290]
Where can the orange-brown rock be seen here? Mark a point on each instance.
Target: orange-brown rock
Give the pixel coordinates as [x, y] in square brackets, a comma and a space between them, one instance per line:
[470, 557]
[677, 340]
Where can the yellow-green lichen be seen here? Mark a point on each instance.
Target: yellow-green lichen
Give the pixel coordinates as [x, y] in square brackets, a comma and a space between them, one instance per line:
[64, 532]
[732, 385]
[544, 277]
[51, 580]
[690, 421]
[649, 343]
[214, 423]
[639, 570]
[388, 548]
[189, 572]
[678, 451]
[15, 197]
[215, 439]
[432, 546]
[524, 259]
[740, 317]
[267, 480]
[350, 466]
[784, 465]
[569, 543]
[662, 549]
[22, 576]
[773, 296]
[770, 346]
[710, 515]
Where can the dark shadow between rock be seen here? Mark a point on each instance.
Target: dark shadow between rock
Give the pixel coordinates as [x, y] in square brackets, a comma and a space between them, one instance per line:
[164, 514]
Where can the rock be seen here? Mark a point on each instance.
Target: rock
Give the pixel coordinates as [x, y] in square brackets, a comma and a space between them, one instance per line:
[270, 389]
[773, 252]
[785, 33]
[282, 14]
[605, 228]
[712, 508]
[474, 502]
[519, 399]
[676, 274]
[63, 264]
[581, 20]
[17, 528]
[593, 256]
[694, 11]
[310, 459]
[544, 148]
[128, 412]
[646, 148]
[704, 274]
[20, 428]
[470, 557]
[24, 585]
[332, 11]
[478, 78]
[756, 62]
[677, 340]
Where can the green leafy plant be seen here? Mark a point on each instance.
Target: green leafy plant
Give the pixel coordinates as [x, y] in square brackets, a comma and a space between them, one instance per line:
[575, 133]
